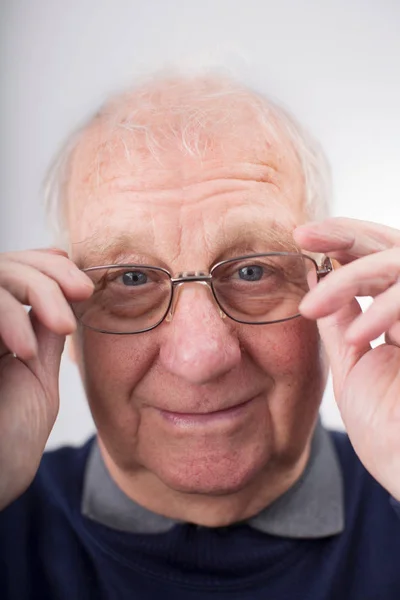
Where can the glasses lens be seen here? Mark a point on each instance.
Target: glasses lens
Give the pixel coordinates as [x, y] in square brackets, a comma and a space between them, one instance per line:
[126, 299]
[265, 288]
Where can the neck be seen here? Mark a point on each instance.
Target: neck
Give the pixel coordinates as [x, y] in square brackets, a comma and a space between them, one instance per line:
[146, 489]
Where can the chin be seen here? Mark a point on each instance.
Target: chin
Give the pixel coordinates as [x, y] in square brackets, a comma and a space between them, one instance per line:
[213, 475]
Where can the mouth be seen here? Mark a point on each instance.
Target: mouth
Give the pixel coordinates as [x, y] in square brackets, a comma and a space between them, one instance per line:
[184, 419]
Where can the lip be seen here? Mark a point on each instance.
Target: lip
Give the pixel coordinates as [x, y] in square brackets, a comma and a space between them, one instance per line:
[192, 419]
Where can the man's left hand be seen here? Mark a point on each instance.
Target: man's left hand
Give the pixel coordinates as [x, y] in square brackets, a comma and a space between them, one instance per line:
[366, 380]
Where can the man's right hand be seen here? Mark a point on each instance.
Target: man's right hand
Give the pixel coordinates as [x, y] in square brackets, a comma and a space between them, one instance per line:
[31, 345]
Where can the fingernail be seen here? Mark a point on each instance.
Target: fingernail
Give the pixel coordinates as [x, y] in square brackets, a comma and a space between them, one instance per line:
[306, 303]
[303, 304]
[81, 277]
[59, 251]
[308, 225]
[31, 347]
[87, 282]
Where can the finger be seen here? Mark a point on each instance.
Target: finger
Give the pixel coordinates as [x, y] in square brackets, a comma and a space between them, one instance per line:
[16, 334]
[368, 276]
[75, 284]
[342, 355]
[32, 288]
[46, 364]
[51, 250]
[383, 314]
[346, 239]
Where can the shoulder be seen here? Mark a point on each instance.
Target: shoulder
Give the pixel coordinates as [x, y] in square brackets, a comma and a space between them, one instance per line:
[353, 471]
[367, 504]
[355, 476]
[63, 469]
[56, 488]
[40, 529]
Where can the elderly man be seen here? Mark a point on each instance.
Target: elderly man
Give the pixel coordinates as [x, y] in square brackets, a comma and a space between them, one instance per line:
[203, 312]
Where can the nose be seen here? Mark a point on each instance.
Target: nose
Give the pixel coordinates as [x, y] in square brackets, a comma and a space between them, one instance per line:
[198, 344]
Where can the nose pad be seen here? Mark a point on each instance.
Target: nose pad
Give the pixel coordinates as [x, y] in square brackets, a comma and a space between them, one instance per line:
[176, 294]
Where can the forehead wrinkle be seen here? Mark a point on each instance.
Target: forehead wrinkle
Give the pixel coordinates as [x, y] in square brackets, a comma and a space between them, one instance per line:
[204, 232]
[103, 151]
[105, 246]
[214, 171]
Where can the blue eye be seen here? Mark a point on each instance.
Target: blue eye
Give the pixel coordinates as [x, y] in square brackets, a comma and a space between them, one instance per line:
[134, 278]
[251, 273]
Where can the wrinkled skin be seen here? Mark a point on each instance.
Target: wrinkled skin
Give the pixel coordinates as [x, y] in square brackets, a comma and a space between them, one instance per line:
[160, 399]
[366, 379]
[188, 218]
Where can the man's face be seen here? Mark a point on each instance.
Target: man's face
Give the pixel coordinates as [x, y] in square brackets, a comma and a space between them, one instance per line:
[159, 398]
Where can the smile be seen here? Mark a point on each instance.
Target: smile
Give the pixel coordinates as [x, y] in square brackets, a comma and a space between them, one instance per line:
[182, 419]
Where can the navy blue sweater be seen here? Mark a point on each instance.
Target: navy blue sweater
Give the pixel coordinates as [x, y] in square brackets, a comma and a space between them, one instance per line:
[48, 550]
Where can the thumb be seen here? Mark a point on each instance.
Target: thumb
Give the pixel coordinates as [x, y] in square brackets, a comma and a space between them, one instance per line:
[342, 355]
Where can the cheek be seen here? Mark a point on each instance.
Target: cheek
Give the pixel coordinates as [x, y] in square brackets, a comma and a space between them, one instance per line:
[289, 350]
[110, 368]
[112, 362]
[291, 353]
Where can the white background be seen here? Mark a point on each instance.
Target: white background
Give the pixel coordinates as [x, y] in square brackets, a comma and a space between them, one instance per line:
[334, 63]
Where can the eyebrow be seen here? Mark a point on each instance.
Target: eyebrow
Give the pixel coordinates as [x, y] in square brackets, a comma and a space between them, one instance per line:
[108, 246]
[255, 237]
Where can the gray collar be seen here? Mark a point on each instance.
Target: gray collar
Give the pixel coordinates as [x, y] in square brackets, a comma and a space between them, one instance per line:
[312, 508]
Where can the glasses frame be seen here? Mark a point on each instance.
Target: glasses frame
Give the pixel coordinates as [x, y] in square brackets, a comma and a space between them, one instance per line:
[205, 278]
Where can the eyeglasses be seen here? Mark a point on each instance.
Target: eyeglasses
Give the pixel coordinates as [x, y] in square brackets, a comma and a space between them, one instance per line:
[256, 289]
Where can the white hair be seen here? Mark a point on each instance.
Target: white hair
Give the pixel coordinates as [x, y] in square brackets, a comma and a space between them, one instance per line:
[194, 106]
